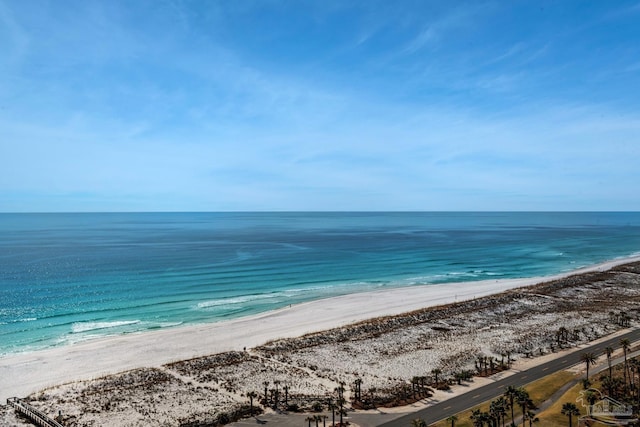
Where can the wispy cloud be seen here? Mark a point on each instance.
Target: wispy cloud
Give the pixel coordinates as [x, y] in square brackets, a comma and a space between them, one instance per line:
[437, 31]
[425, 37]
[421, 107]
[14, 40]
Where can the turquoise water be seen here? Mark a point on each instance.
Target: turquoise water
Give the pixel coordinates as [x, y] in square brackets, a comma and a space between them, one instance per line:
[66, 278]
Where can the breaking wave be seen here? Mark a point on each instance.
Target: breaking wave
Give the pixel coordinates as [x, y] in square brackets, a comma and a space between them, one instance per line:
[92, 326]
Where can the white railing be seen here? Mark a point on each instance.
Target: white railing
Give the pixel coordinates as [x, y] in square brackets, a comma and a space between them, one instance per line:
[36, 416]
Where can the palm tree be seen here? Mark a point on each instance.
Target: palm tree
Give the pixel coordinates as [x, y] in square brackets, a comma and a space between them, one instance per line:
[275, 400]
[562, 336]
[266, 384]
[418, 422]
[436, 372]
[626, 345]
[585, 383]
[477, 417]
[570, 409]
[498, 409]
[634, 367]
[414, 385]
[358, 389]
[333, 408]
[588, 359]
[309, 419]
[423, 384]
[525, 403]
[342, 412]
[495, 411]
[511, 393]
[609, 351]
[340, 389]
[341, 401]
[591, 396]
[502, 406]
[531, 416]
[452, 419]
[610, 383]
[623, 319]
[458, 376]
[251, 395]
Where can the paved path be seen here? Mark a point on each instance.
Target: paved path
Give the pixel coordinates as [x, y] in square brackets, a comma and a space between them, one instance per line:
[462, 402]
[465, 401]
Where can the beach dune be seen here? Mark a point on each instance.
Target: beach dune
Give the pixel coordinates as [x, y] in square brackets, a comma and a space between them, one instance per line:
[23, 374]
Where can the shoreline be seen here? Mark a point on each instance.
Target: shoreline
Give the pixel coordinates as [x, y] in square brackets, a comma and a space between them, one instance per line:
[26, 373]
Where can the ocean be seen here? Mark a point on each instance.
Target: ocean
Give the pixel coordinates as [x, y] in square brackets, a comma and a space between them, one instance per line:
[66, 278]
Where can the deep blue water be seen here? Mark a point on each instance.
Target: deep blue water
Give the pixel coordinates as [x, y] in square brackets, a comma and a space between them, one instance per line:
[71, 277]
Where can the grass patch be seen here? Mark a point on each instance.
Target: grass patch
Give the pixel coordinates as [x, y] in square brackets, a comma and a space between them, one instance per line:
[463, 417]
[543, 389]
[539, 391]
[552, 417]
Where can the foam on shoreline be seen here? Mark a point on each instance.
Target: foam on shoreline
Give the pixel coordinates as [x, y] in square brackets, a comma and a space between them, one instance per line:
[23, 374]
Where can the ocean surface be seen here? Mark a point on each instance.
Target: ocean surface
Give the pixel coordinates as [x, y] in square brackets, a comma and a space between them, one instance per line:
[66, 278]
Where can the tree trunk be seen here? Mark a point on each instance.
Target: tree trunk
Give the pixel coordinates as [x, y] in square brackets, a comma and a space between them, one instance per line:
[587, 370]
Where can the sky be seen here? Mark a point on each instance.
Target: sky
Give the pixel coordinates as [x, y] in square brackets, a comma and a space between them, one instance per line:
[168, 105]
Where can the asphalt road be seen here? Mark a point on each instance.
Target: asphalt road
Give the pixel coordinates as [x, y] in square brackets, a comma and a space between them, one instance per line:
[465, 401]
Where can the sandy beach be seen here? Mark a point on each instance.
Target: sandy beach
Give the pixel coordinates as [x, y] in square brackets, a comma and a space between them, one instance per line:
[25, 374]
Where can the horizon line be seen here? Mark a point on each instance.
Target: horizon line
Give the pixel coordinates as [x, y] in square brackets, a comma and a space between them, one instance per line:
[317, 211]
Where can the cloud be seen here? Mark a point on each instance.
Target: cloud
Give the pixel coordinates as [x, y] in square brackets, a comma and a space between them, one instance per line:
[185, 111]
[425, 37]
[548, 154]
[14, 41]
[437, 30]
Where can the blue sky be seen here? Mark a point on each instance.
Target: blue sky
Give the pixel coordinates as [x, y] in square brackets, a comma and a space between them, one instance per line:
[319, 105]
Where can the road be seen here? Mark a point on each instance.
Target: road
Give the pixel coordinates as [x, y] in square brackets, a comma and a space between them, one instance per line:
[465, 401]
[456, 404]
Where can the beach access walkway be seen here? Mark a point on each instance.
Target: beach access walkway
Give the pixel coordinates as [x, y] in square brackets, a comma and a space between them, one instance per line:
[34, 415]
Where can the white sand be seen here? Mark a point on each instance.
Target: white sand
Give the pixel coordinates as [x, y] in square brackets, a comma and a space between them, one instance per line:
[23, 374]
